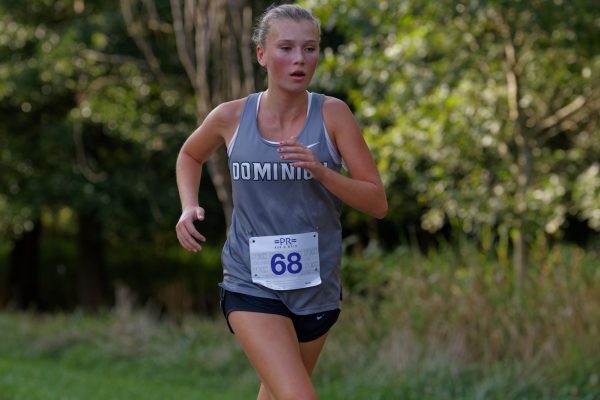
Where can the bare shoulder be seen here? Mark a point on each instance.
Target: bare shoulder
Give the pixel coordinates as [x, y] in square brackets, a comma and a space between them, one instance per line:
[225, 117]
[334, 108]
[217, 128]
[337, 114]
[339, 119]
[229, 109]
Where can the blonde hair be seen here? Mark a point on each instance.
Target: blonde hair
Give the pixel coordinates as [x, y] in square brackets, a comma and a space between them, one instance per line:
[274, 13]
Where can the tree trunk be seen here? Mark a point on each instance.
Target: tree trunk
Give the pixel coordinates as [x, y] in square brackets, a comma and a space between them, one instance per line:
[219, 175]
[92, 282]
[524, 161]
[214, 47]
[23, 275]
[524, 168]
[519, 245]
[213, 39]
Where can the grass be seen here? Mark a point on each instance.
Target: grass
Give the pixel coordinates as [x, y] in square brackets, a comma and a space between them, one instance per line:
[119, 356]
[446, 326]
[47, 379]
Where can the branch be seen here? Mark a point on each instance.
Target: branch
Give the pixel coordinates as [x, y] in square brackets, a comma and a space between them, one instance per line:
[82, 159]
[217, 35]
[201, 22]
[189, 14]
[568, 116]
[152, 13]
[530, 41]
[512, 83]
[201, 44]
[99, 83]
[247, 56]
[180, 40]
[154, 22]
[242, 22]
[133, 28]
[579, 103]
[109, 58]
[511, 66]
[232, 46]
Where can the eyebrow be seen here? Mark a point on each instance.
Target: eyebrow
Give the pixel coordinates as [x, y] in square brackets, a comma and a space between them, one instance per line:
[284, 41]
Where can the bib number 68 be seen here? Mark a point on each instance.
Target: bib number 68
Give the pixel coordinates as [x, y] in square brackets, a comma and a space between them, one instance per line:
[279, 265]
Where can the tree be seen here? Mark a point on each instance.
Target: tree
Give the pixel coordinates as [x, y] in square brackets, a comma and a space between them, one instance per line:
[485, 111]
[86, 127]
[214, 48]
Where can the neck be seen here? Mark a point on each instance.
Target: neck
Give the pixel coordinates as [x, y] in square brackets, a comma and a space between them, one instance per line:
[285, 105]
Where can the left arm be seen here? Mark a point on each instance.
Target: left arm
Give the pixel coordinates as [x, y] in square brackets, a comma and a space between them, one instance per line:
[362, 189]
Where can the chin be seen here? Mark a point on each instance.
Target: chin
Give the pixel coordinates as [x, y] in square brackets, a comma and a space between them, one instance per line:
[295, 88]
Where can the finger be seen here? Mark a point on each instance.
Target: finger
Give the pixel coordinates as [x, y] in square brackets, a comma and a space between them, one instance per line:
[197, 236]
[300, 164]
[298, 148]
[187, 238]
[293, 149]
[193, 232]
[307, 165]
[298, 157]
[290, 142]
[188, 243]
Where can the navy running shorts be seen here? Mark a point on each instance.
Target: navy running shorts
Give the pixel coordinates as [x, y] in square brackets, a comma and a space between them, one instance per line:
[308, 327]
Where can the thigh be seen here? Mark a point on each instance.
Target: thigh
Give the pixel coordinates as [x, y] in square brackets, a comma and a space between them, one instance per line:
[233, 301]
[271, 344]
[310, 351]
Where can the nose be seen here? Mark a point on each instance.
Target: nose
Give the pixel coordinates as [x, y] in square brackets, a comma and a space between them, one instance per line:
[298, 56]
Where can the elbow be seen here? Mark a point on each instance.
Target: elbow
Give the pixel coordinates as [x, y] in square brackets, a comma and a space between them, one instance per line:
[380, 206]
[381, 210]
[184, 157]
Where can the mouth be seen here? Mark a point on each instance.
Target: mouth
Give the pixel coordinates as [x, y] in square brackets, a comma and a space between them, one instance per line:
[298, 74]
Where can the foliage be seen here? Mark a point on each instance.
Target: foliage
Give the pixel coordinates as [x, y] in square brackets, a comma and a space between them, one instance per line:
[90, 131]
[94, 110]
[482, 114]
[455, 308]
[461, 299]
[89, 126]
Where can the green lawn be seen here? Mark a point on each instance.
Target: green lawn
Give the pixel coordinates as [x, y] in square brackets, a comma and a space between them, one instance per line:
[445, 327]
[47, 379]
[74, 357]
[140, 357]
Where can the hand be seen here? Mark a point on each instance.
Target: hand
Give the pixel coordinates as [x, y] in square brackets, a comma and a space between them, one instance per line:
[187, 234]
[303, 157]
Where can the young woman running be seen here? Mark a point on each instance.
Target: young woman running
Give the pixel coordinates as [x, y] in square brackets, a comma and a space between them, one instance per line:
[281, 288]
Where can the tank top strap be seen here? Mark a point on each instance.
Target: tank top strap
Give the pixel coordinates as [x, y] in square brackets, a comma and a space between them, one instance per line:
[248, 118]
[315, 117]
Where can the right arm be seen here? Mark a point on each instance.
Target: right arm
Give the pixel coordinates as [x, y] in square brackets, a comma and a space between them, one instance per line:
[217, 129]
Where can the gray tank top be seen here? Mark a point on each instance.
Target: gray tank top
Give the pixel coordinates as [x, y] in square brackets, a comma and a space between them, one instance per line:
[272, 198]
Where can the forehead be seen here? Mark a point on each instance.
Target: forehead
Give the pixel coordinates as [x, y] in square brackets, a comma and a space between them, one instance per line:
[288, 29]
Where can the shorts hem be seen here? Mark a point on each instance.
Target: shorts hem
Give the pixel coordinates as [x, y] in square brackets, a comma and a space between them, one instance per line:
[308, 326]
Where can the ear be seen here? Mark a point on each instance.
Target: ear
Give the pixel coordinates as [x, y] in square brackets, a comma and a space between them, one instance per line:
[260, 56]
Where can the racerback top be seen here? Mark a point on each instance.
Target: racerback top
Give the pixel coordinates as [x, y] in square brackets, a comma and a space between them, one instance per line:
[270, 197]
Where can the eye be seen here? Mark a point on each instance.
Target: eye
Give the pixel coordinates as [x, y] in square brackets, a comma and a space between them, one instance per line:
[310, 49]
[285, 48]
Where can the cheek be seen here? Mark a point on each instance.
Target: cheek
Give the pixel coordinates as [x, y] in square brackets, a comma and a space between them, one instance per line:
[313, 61]
[278, 63]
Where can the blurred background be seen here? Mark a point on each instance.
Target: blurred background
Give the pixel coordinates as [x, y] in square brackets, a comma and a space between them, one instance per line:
[483, 117]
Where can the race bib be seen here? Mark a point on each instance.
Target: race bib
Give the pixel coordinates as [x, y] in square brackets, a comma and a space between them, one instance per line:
[285, 262]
